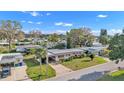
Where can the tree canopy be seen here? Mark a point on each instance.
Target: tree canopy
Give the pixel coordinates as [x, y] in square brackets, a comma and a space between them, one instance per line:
[35, 34]
[104, 39]
[53, 37]
[117, 47]
[9, 29]
[20, 36]
[79, 37]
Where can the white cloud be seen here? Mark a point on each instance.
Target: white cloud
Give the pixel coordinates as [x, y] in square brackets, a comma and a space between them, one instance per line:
[54, 31]
[34, 13]
[109, 31]
[23, 21]
[38, 23]
[23, 11]
[114, 31]
[30, 22]
[96, 32]
[67, 24]
[37, 28]
[60, 31]
[59, 23]
[102, 16]
[63, 24]
[48, 14]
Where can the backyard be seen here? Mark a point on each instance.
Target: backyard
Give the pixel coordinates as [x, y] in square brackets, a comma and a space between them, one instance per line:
[33, 69]
[115, 76]
[80, 63]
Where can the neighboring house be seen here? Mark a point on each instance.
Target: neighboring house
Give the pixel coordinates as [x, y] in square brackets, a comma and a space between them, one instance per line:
[97, 44]
[25, 48]
[23, 43]
[58, 54]
[3, 42]
[10, 58]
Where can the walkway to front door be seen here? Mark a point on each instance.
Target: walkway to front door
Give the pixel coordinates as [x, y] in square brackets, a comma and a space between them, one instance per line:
[60, 69]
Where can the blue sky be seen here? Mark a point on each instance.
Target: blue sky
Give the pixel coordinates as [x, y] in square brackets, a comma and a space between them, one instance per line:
[62, 21]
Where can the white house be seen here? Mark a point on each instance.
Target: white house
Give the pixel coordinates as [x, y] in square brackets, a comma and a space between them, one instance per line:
[58, 54]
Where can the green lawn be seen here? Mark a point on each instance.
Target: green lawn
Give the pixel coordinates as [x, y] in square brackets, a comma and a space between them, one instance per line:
[33, 69]
[115, 76]
[79, 63]
[3, 50]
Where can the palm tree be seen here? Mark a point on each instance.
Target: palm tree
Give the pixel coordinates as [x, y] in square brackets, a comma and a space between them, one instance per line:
[40, 54]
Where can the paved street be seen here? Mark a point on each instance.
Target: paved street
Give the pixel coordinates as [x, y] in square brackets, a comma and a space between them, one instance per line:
[88, 74]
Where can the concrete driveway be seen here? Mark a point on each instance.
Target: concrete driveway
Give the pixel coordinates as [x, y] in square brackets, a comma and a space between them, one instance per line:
[17, 74]
[60, 69]
[88, 74]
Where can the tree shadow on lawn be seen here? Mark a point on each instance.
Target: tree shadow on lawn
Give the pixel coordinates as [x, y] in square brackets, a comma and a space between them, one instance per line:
[31, 62]
[86, 60]
[90, 76]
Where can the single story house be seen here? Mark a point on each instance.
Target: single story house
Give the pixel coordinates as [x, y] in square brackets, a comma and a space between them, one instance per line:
[58, 54]
[23, 48]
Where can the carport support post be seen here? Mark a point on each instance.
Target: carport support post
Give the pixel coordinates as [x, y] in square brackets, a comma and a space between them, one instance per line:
[56, 58]
[40, 68]
[14, 73]
[47, 62]
[47, 58]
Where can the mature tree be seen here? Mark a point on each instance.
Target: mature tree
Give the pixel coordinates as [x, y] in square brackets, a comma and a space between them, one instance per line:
[20, 36]
[117, 47]
[103, 32]
[2, 35]
[80, 37]
[53, 37]
[35, 34]
[103, 37]
[68, 45]
[9, 29]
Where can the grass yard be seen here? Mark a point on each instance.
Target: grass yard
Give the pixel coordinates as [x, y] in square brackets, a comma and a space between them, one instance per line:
[3, 50]
[80, 63]
[115, 76]
[33, 69]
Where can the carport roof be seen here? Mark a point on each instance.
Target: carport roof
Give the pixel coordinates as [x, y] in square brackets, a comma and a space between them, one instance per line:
[9, 57]
[62, 51]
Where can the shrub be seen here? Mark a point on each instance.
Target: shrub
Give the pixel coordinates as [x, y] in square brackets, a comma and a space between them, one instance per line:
[32, 51]
[92, 56]
[104, 52]
[3, 50]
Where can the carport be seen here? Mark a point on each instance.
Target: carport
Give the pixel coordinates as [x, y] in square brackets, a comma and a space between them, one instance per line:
[9, 59]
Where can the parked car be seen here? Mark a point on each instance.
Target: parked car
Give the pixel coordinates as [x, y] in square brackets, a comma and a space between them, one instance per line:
[5, 71]
[23, 50]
